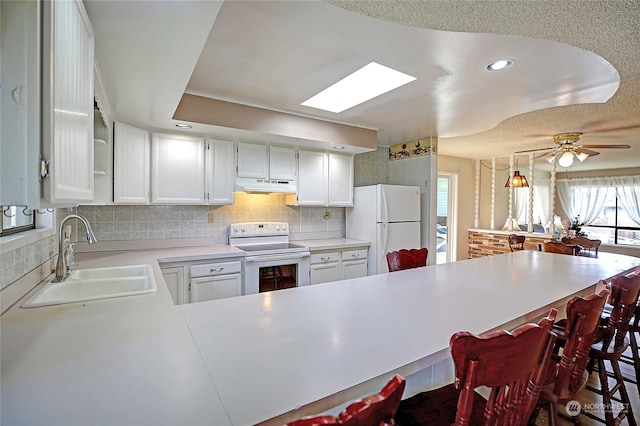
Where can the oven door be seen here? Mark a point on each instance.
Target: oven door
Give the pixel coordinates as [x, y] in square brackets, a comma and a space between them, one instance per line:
[269, 272]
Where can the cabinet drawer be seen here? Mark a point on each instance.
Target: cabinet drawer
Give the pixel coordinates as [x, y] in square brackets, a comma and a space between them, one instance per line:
[325, 257]
[354, 254]
[212, 269]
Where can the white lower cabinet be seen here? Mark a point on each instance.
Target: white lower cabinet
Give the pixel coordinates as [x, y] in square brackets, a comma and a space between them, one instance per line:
[174, 278]
[215, 281]
[324, 267]
[190, 282]
[353, 264]
[338, 265]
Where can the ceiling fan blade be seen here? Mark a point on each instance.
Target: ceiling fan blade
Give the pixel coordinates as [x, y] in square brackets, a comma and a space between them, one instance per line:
[533, 150]
[607, 146]
[587, 151]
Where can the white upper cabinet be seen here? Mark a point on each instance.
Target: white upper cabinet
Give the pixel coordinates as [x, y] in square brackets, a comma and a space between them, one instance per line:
[221, 179]
[312, 179]
[252, 161]
[67, 101]
[259, 161]
[282, 163]
[47, 104]
[132, 156]
[340, 180]
[324, 179]
[177, 169]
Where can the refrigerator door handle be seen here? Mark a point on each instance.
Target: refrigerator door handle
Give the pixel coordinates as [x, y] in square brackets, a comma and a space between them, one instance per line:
[385, 205]
[385, 237]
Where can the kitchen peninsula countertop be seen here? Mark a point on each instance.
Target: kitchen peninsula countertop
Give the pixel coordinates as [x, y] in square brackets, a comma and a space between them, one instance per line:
[245, 360]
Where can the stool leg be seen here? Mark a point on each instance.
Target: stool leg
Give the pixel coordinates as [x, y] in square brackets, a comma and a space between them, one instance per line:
[624, 396]
[606, 393]
[636, 356]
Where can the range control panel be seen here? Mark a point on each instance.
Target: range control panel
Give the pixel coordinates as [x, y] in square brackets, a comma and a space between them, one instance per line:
[258, 229]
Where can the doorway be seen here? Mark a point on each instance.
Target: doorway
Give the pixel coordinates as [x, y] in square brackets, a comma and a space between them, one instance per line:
[446, 208]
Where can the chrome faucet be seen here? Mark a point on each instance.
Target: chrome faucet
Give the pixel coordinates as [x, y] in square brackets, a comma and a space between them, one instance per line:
[61, 266]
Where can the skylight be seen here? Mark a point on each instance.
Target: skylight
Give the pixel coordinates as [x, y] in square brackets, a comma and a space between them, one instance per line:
[366, 83]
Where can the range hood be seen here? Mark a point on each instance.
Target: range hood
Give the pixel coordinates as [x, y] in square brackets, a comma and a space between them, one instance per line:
[265, 185]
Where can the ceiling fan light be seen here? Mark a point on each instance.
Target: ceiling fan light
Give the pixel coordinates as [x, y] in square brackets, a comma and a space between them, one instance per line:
[551, 158]
[582, 156]
[566, 159]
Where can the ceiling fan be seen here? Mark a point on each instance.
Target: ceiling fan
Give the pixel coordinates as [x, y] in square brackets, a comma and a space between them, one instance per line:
[568, 147]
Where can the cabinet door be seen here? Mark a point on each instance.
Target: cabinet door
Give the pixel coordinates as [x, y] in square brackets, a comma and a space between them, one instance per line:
[174, 278]
[354, 269]
[312, 178]
[131, 174]
[221, 179]
[177, 169]
[340, 180]
[324, 272]
[218, 287]
[67, 103]
[252, 161]
[282, 163]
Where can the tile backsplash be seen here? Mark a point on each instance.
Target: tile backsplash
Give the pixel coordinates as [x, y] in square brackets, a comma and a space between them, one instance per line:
[151, 222]
[15, 263]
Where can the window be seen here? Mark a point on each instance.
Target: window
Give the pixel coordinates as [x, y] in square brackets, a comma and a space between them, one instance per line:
[613, 225]
[608, 208]
[17, 219]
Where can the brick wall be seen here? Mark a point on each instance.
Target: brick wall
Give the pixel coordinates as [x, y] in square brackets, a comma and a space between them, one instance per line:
[487, 243]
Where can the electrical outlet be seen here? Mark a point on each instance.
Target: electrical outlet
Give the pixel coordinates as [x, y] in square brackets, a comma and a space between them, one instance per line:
[211, 217]
[67, 232]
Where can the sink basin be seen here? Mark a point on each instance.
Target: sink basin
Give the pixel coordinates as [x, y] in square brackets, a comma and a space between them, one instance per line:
[98, 283]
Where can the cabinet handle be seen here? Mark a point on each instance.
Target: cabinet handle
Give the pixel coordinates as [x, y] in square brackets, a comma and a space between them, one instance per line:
[355, 255]
[216, 270]
[324, 259]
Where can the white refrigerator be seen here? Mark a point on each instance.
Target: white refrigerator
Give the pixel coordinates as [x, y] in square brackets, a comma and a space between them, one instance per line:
[389, 217]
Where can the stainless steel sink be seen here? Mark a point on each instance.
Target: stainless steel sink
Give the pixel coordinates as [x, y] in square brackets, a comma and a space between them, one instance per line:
[97, 283]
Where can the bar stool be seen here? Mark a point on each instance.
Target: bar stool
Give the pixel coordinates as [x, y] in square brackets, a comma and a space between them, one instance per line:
[611, 342]
[407, 259]
[568, 375]
[378, 409]
[512, 364]
[516, 242]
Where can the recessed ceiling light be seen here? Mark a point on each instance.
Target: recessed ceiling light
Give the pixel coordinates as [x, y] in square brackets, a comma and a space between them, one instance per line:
[366, 83]
[183, 126]
[500, 65]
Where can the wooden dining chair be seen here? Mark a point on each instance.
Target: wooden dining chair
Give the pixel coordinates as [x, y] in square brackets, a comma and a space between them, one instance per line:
[375, 410]
[559, 247]
[512, 364]
[585, 244]
[568, 374]
[407, 259]
[516, 242]
[611, 342]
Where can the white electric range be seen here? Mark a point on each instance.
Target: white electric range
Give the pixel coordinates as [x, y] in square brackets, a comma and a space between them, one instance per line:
[271, 262]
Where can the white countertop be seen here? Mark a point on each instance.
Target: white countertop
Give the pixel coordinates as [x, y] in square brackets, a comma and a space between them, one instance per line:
[143, 360]
[332, 244]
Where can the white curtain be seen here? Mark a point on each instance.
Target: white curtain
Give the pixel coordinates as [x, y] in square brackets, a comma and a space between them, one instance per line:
[584, 198]
[521, 205]
[541, 201]
[628, 192]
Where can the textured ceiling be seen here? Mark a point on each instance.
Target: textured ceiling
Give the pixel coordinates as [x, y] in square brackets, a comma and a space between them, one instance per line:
[610, 29]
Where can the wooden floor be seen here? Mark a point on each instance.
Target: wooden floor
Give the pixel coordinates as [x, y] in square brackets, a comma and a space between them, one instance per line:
[586, 398]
